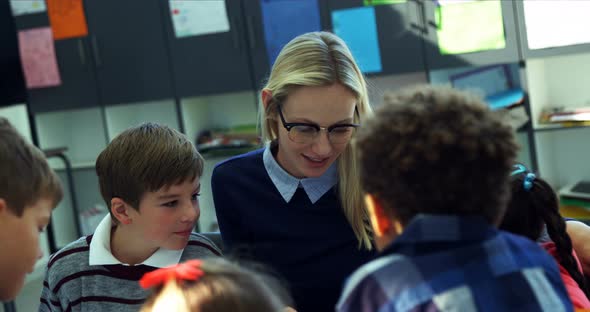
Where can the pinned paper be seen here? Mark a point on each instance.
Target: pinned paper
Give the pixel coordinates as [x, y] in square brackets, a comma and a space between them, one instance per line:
[380, 2]
[67, 18]
[195, 18]
[469, 26]
[20, 7]
[570, 16]
[38, 58]
[357, 27]
[284, 20]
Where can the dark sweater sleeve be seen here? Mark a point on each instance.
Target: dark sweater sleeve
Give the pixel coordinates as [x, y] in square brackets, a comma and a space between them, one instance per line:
[226, 210]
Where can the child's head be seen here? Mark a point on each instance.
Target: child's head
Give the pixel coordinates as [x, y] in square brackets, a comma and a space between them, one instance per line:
[315, 82]
[29, 190]
[533, 206]
[434, 150]
[149, 177]
[214, 285]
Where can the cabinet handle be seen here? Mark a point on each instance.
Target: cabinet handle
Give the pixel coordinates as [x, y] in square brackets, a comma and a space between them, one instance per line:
[422, 15]
[251, 36]
[95, 51]
[81, 52]
[234, 34]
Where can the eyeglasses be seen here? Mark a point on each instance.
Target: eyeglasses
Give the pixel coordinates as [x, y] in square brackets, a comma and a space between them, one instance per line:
[305, 133]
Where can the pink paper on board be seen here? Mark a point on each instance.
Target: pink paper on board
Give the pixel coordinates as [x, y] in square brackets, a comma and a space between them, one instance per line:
[37, 54]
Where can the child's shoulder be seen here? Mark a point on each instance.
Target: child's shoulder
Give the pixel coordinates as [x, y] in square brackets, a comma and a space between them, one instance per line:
[199, 246]
[70, 257]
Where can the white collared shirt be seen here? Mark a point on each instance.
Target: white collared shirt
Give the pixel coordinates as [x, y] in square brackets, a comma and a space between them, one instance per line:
[287, 184]
[100, 249]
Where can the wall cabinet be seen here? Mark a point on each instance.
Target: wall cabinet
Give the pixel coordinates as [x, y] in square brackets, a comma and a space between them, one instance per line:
[213, 63]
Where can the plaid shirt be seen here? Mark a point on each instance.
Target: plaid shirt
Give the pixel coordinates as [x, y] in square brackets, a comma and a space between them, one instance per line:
[450, 263]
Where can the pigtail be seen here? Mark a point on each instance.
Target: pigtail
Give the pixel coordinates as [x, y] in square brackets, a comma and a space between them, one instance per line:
[545, 200]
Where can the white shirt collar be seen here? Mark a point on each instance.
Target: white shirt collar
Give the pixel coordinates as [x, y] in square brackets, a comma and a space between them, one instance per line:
[100, 249]
[287, 184]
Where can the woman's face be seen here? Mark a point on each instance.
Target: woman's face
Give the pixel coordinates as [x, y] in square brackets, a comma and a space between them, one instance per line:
[323, 106]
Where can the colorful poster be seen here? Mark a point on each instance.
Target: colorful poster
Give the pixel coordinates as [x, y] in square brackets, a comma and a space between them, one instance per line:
[470, 26]
[358, 28]
[67, 18]
[284, 20]
[37, 54]
[22, 7]
[195, 18]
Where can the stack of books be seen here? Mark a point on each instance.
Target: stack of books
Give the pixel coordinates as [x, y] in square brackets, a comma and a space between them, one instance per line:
[575, 200]
[567, 117]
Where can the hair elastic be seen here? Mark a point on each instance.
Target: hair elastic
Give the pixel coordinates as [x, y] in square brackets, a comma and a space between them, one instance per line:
[187, 271]
[528, 181]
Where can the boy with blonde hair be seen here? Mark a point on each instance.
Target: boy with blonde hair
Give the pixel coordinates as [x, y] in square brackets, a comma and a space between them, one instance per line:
[29, 190]
[149, 178]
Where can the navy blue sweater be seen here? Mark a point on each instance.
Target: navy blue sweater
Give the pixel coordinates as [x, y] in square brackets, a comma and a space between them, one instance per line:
[312, 246]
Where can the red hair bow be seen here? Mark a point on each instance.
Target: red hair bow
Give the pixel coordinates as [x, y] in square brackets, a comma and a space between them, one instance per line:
[187, 271]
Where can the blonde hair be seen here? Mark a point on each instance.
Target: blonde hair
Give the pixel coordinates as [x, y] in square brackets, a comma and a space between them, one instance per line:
[224, 287]
[322, 59]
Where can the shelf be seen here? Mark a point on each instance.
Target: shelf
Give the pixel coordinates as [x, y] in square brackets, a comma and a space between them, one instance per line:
[558, 127]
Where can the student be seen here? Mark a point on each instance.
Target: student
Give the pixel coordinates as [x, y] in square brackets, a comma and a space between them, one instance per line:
[435, 167]
[214, 285]
[533, 207]
[296, 205]
[29, 190]
[149, 177]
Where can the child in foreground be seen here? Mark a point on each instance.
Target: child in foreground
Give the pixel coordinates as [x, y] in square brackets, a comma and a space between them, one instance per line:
[29, 190]
[435, 166]
[149, 177]
[214, 285]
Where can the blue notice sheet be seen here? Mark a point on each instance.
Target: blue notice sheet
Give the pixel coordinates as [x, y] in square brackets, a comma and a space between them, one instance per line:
[357, 27]
[284, 20]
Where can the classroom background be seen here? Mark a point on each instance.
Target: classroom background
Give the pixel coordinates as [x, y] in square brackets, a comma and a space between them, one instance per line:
[75, 73]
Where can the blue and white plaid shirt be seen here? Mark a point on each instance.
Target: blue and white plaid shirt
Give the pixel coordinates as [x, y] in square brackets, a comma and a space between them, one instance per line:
[451, 263]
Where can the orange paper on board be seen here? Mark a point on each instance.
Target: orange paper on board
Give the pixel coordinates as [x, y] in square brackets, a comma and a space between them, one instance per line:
[67, 18]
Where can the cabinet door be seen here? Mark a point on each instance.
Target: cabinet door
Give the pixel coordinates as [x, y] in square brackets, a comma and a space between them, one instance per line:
[469, 33]
[12, 82]
[286, 21]
[549, 28]
[78, 88]
[76, 69]
[129, 48]
[398, 33]
[209, 63]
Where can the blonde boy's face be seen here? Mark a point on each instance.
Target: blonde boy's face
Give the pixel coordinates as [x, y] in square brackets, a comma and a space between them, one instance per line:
[19, 242]
[167, 217]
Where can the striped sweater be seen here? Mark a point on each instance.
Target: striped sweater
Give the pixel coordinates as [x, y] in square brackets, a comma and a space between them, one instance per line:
[71, 284]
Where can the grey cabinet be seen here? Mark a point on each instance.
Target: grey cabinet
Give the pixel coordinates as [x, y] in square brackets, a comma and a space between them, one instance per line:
[78, 87]
[399, 33]
[436, 59]
[212, 63]
[129, 50]
[256, 37]
[76, 68]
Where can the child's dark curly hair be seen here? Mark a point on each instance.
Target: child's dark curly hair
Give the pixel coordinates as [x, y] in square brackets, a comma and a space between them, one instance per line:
[436, 150]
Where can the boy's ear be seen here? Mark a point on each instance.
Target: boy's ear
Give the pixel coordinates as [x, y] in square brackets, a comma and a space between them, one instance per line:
[266, 96]
[380, 220]
[120, 210]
